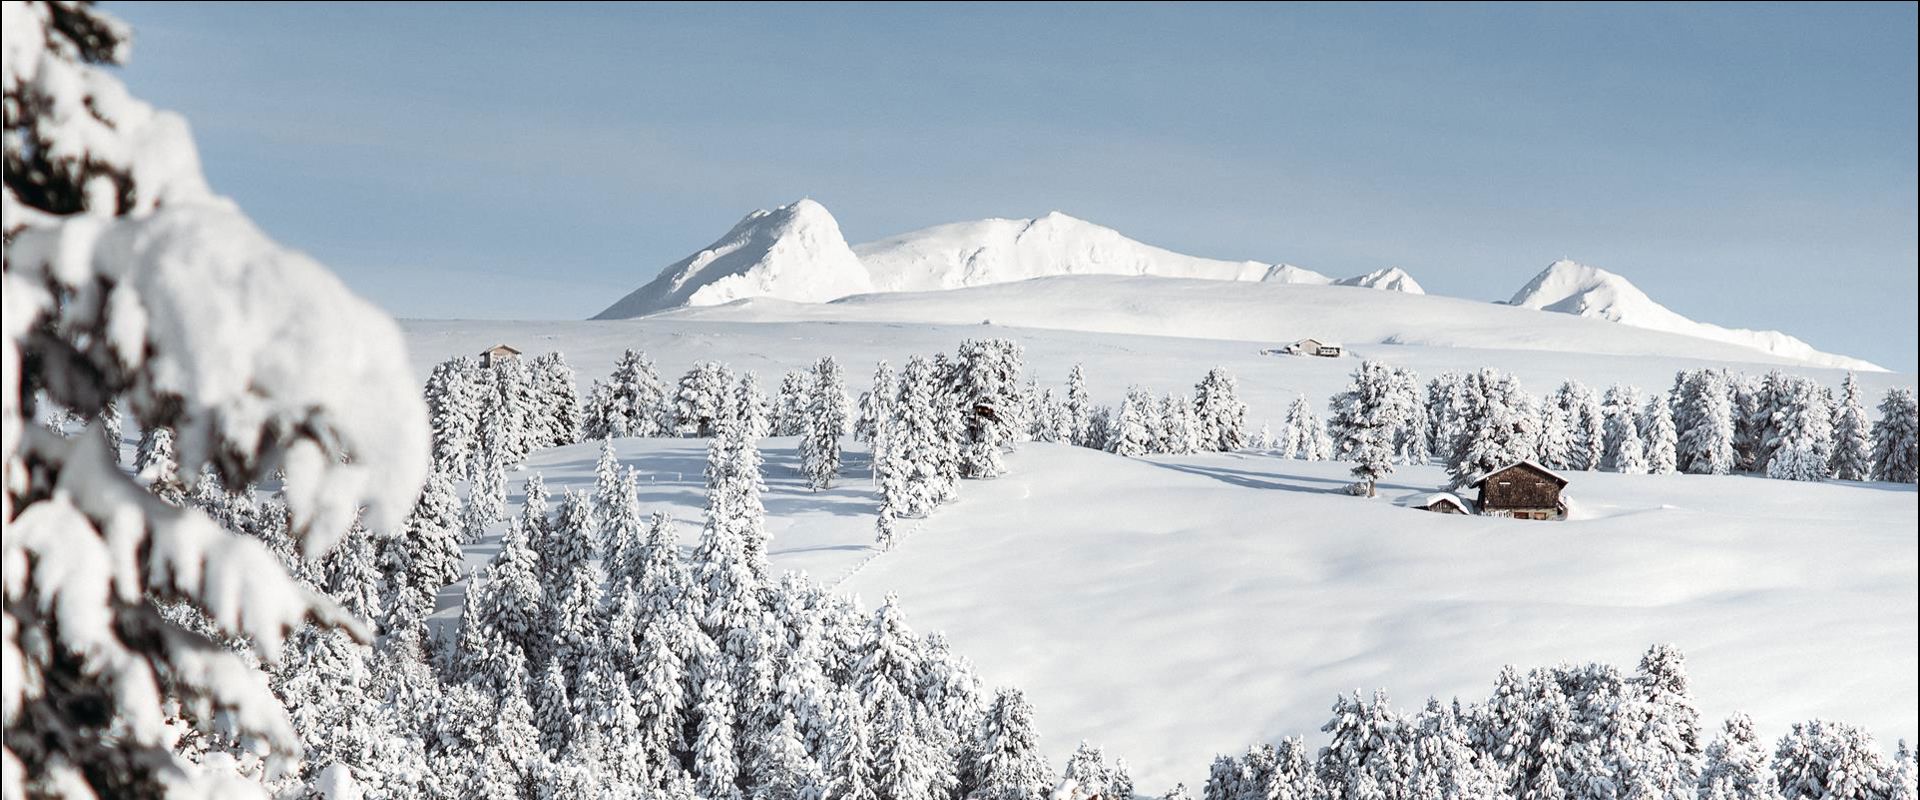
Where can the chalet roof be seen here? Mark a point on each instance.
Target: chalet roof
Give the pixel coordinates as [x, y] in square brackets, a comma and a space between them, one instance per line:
[507, 347]
[1525, 463]
[1429, 500]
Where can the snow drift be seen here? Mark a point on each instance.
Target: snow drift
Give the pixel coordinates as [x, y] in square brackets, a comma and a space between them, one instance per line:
[1570, 287]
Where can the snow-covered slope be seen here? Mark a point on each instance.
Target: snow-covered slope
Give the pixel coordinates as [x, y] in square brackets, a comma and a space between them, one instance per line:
[1255, 312]
[1573, 288]
[993, 251]
[795, 252]
[1392, 279]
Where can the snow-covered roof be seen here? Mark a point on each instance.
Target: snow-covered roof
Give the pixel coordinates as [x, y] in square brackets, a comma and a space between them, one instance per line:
[507, 347]
[1428, 500]
[1525, 462]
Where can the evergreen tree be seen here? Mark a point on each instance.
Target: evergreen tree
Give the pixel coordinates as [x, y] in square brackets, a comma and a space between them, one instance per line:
[1007, 764]
[1179, 432]
[1304, 436]
[750, 406]
[876, 405]
[823, 424]
[1502, 427]
[791, 406]
[1801, 443]
[1133, 433]
[1087, 770]
[1735, 765]
[1656, 426]
[426, 554]
[1852, 443]
[1831, 761]
[1621, 409]
[1555, 450]
[556, 402]
[634, 402]
[913, 474]
[153, 459]
[1366, 422]
[1586, 425]
[453, 410]
[984, 385]
[1222, 416]
[703, 398]
[1703, 413]
[1078, 410]
[1896, 438]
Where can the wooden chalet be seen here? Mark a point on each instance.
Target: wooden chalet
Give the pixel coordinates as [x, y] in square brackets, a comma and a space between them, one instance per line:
[498, 353]
[1313, 347]
[1522, 490]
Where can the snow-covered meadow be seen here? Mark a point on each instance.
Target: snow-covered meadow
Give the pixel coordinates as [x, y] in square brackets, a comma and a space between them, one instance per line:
[1175, 607]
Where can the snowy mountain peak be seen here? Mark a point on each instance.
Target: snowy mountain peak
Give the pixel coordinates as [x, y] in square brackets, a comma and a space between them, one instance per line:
[1570, 287]
[795, 252]
[1392, 279]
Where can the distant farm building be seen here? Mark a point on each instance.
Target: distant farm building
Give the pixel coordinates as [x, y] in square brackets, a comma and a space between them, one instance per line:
[1313, 347]
[1441, 503]
[1522, 490]
[498, 353]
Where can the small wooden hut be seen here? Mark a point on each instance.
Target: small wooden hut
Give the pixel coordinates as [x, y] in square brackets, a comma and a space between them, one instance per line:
[498, 353]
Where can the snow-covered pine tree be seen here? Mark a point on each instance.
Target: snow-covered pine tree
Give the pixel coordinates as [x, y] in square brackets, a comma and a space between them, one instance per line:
[1800, 443]
[984, 385]
[1831, 761]
[1315, 444]
[1502, 428]
[453, 410]
[1852, 440]
[1663, 746]
[1133, 430]
[1369, 752]
[513, 403]
[1366, 422]
[790, 408]
[1734, 766]
[1078, 408]
[1703, 415]
[1586, 426]
[1555, 449]
[825, 421]
[1620, 410]
[1222, 416]
[912, 476]
[555, 414]
[1263, 441]
[426, 554]
[1178, 426]
[1445, 396]
[1896, 438]
[1630, 455]
[881, 398]
[1006, 759]
[153, 460]
[1410, 445]
[1755, 405]
[751, 407]
[1656, 427]
[1087, 771]
[123, 273]
[703, 398]
[632, 401]
[573, 578]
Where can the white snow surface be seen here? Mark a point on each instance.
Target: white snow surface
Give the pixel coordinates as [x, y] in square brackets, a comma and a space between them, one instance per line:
[795, 252]
[1570, 287]
[992, 251]
[1176, 607]
[1262, 312]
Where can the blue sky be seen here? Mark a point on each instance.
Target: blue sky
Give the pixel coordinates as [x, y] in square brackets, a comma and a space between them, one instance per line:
[1752, 166]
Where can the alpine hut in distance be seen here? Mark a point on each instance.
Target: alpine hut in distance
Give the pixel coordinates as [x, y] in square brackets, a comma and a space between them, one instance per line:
[498, 353]
[1522, 490]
